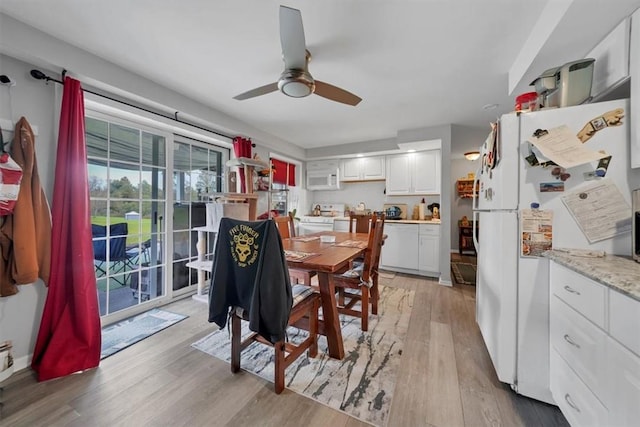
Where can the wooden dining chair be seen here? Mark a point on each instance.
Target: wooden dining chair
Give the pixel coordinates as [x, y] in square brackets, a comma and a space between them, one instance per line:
[355, 284]
[286, 228]
[374, 291]
[250, 282]
[359, 223]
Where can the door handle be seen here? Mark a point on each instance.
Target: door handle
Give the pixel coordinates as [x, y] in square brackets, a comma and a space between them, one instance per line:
[570, 289]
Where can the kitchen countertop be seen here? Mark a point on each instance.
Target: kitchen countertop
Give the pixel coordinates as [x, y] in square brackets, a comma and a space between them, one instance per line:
[413, 221]
[399, 221]
[617, 272]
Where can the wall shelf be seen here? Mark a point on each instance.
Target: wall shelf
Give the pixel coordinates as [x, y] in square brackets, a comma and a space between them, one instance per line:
[464, 188]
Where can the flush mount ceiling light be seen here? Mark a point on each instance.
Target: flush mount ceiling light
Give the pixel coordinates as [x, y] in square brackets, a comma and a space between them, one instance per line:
[472, 155]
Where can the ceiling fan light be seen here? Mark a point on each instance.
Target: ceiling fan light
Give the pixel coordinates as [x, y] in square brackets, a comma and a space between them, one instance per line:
[472, 155]
[297, 89]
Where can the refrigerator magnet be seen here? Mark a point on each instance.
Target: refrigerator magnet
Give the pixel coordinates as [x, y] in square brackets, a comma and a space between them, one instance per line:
[551, 187]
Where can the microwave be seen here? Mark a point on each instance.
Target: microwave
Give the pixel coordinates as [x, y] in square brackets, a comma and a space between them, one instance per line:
[635, 227]
[323, 180]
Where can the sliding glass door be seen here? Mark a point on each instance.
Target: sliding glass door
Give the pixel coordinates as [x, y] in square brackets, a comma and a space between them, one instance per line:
[197, 178]
[127, 184]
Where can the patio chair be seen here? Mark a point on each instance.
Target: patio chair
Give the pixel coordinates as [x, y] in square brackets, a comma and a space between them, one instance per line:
[250, 281]
[110, 252]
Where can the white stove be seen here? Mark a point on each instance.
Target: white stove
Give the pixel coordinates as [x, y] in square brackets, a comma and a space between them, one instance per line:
[328, 212]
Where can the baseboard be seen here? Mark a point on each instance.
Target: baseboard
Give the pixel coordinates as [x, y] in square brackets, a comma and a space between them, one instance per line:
[21, 363]
[443, 282]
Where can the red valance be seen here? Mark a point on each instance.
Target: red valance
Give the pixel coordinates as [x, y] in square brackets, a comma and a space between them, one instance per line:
[283, 172]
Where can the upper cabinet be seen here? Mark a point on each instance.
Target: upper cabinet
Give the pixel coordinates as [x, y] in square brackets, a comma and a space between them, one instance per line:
[323, 165]
[634, 69]
[612, 60]
[363, 169]
[413, 173]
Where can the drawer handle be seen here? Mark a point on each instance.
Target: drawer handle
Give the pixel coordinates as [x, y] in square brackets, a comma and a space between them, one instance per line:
[568, 339]
[570, 289]
[567, 398]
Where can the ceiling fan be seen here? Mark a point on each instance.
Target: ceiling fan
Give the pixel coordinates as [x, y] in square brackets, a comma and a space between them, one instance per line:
[295, 80]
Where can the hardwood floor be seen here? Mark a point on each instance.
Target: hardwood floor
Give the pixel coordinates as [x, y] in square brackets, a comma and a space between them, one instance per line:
[446, 379]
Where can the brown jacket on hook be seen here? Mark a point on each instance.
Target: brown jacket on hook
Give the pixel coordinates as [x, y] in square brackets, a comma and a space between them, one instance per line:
[25, 236]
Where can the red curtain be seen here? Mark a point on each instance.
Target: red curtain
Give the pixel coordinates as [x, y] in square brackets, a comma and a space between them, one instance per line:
[279, 171]
[69, 338]
[242, 148]
[291, 180]
[284, 173]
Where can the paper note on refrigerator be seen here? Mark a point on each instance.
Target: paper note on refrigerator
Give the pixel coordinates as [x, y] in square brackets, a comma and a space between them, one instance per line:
[562, 146]
[537, 232]
[600, 210]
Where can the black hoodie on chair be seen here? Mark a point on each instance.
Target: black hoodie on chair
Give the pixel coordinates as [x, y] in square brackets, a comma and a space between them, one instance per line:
[250, 271]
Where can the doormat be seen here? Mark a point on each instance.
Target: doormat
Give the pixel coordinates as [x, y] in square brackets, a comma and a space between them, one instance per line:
[134, 329]
[464, 273]
[360, 385]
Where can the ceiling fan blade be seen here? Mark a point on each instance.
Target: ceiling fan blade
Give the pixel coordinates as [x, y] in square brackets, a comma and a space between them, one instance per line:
[334, 93]
[262, 90]
[294, 49]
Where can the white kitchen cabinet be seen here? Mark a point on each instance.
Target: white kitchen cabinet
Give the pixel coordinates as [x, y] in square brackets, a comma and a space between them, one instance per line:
[429, 248]
[363, 169]
[612, 60]
[634, 72]
[594, 371]
[341, 225]
[400, 249]
[413, 173]
[323, 165]
[578, 404]
[411, 248]
[623, 383]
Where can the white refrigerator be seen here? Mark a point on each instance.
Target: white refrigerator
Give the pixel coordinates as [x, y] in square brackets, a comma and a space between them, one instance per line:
[512, 290]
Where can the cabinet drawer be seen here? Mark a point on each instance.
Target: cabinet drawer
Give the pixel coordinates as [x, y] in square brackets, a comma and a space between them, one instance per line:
[583, 294]
[580, 343]
[429, 230]
[624, 320]
[577, 403]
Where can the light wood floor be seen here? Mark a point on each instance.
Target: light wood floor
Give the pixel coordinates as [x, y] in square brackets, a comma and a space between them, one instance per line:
[446, 379]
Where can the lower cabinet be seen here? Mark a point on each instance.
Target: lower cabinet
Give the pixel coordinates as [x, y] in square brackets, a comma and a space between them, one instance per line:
[623, 381]
[341, 225]
[411, 248]
[400, 249]
[429, 248]
[594, 362]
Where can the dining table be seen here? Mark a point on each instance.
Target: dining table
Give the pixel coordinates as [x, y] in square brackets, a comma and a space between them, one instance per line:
[326, 253]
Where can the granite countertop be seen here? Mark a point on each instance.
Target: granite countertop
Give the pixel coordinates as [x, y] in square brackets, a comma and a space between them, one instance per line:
[399, 221]
[617, 272]
[413, 221]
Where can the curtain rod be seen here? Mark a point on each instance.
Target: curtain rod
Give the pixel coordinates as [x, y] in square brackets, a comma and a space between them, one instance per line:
[39, 75]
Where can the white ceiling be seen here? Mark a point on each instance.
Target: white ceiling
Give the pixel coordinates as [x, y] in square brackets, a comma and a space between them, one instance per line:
[415, 63]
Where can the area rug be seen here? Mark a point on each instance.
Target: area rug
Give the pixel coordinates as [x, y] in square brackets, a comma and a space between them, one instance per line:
[362, 384]
[134, 329]
[464, 273]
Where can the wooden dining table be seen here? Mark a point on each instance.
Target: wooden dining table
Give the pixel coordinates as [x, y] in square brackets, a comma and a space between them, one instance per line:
[326, 259]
